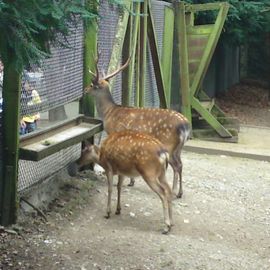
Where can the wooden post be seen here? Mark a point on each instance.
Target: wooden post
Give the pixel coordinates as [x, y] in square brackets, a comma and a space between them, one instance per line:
[10, 129]
[143, 51]
[129, 49]
[167, 51]
[87, 105]
[183, 58]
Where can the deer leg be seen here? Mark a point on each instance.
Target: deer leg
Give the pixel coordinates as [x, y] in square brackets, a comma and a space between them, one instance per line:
[110, 186]
[180, 167]
[132, 182]
[119, 185]
[158, 189]
[173, 164]
[168, 192]
[176, 164]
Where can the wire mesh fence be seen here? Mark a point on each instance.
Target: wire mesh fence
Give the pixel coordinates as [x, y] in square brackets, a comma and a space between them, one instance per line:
[59, 81]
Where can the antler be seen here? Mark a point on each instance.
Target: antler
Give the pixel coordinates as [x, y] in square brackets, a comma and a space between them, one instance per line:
[117, 71]
[96, 75]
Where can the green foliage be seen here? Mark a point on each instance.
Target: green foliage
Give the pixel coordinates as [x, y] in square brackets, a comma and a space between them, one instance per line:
[28, 26]
[246, 19]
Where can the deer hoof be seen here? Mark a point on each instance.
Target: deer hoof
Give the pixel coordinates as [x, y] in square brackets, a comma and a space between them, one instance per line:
[131, 183]
[107, 216]
[118, 212]
[166, 230]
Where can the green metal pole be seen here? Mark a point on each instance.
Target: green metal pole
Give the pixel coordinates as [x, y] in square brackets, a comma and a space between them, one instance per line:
[10, 129]
[87, 105]
[183, 58]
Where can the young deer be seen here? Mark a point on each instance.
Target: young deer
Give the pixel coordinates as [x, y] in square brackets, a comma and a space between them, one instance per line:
[169, 127]
[130, 153]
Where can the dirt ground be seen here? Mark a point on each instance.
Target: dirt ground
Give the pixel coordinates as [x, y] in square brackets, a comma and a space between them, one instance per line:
[249, 101]
[222, 222]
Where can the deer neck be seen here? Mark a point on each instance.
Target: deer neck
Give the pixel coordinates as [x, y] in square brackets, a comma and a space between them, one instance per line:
[104, 105]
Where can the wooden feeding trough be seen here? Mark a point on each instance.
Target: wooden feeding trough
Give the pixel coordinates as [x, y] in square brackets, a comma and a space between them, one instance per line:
[38, 145]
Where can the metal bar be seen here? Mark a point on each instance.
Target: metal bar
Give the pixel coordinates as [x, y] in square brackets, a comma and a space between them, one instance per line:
[167, 51]
[156, 61]
[10, 129]
[183, 59]
[210, 48]
[143, 49]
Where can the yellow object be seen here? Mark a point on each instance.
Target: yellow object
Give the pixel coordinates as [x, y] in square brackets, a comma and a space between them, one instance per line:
[30, 118]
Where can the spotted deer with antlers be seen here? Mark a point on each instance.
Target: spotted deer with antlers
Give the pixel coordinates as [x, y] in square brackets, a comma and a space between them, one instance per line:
[171, 128]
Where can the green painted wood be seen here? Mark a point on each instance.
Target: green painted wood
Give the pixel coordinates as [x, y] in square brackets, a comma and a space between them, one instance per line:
[197, 105]
[119, 40]
[87, 105]
[143, 51]
[205, 29]
[137, 67]
[129, 50]
[156, 61]
[204, 7]
[182, 45]
[167, 51]
[10, 129]
[210, 48]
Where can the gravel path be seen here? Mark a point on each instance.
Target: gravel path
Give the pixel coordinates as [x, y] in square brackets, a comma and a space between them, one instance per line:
[222, 222]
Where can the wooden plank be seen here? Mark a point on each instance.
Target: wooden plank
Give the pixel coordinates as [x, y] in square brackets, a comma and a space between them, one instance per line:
[213, 122]
[143, 50]
[182, 45]
[130, 50]
[119, 40]
[156, 61]
[205, 29]
[87, 104]
[167, 51]
[209, 50]
[204, 7]
[197, 41]
[47, 142]
[10, 131]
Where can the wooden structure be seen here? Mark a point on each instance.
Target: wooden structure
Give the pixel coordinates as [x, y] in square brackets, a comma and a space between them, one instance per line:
[135, 30]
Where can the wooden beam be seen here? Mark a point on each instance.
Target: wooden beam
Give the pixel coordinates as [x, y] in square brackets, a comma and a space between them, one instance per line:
[156, 61]
[204, 7]
[116, 54]
[210, 48]
[167, 51]
[130, 50]
[10, 131]
[87, 105]
[143, 51]
[183, 59]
